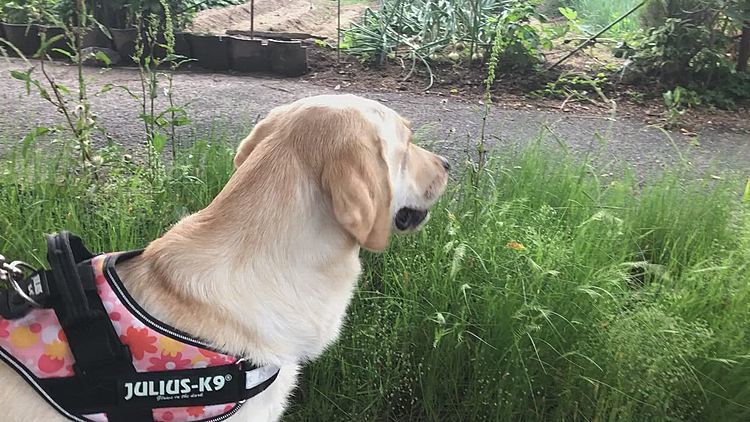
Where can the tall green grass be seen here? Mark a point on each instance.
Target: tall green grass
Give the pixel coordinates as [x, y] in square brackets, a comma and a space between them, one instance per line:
[123, 206]
[616, 302]
[596, 14]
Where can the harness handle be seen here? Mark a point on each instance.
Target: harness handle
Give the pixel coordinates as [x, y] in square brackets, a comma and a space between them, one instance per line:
[64, 252]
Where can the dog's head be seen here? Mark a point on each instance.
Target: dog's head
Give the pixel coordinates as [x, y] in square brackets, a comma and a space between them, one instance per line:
[373, 177]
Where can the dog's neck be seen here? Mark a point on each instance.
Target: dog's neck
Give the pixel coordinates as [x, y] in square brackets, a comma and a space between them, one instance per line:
[260, 273]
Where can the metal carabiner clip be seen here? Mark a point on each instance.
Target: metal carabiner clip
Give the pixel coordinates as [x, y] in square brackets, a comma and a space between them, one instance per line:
[16, 270]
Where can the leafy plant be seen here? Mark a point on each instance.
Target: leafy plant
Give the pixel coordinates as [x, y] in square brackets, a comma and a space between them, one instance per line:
[79, 118]
[596, 14]
[573, 87]
[435, 30]
[689, 47]
[123, 13]
[151, 54]
[429, 27]
[572, 18]
[27, 11]
[520, 43]
[677, 101]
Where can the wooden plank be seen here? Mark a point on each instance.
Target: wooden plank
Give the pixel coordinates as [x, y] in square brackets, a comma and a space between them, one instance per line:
[286, 36]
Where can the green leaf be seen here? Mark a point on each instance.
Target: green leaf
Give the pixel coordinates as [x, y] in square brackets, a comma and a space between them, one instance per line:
[568, 13]
[104, 29]
[181, 121]
[30, 138]
[21, 76]
[108, 87]
[158, 142]
[147, 118]
[43, 93]
[66, 53]
[62, 88]
[100, 56]
[746, 196]
[46, 43]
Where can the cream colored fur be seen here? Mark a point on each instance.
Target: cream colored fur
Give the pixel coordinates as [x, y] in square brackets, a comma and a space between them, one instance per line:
[267, 269]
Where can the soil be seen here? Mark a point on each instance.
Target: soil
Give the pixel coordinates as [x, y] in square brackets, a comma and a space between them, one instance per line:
[316, 17]
[516, 90]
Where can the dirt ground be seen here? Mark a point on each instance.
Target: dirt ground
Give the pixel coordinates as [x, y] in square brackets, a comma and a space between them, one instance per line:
[515, 90]
[317, 17]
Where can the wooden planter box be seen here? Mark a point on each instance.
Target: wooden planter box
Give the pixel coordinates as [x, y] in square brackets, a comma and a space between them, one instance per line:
[25, 37]
[182, 45]
[94, 37]
[249, 55]
[124, 42]
[211, 51]
[288, 58]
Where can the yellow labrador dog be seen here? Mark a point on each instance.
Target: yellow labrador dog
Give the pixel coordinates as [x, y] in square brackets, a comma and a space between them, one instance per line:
[267, 270]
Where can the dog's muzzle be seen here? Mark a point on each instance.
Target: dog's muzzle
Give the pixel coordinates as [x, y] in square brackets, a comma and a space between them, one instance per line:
[409, 218]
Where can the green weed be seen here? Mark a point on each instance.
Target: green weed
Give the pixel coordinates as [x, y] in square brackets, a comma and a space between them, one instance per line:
[546, 294]
[539, 292]
[596, 14]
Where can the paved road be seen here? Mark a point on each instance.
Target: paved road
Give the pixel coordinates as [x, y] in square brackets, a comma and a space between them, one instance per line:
[229, 104]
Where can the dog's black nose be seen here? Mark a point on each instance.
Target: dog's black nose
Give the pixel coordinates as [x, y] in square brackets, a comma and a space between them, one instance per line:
[446, 164]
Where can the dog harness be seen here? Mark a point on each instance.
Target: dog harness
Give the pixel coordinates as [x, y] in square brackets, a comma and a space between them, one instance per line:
[82, 342]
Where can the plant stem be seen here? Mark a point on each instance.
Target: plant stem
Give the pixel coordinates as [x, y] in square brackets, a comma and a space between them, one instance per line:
[61, 105]
[743, 53]
[82, 124]
[474, 29]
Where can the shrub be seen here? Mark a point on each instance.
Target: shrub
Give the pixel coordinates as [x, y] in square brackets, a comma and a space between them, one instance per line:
[700, 12]
[123, 13]
[459, 30]
[688, 45]
[27, 11]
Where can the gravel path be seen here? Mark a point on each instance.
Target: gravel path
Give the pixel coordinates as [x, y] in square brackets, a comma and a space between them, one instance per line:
[230, 104]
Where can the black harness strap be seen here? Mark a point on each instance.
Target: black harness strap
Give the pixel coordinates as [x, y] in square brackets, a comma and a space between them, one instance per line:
[147, 390]
[99, 355]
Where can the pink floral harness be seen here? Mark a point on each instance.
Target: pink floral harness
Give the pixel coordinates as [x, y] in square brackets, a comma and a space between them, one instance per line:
[173, 377]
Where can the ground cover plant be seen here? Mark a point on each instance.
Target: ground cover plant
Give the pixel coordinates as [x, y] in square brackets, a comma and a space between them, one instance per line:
[536, 292]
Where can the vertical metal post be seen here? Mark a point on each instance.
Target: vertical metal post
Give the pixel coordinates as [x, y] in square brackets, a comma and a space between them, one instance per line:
[338, 33]
[252, 19]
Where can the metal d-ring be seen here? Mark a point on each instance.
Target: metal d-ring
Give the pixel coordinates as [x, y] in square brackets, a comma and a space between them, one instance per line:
[16, 270]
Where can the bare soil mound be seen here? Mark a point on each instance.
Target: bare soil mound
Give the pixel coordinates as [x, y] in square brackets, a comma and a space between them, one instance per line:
[317, 17]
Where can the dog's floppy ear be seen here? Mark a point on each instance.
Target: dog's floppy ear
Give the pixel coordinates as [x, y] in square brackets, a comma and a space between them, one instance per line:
[361, 195]
[260, 131]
